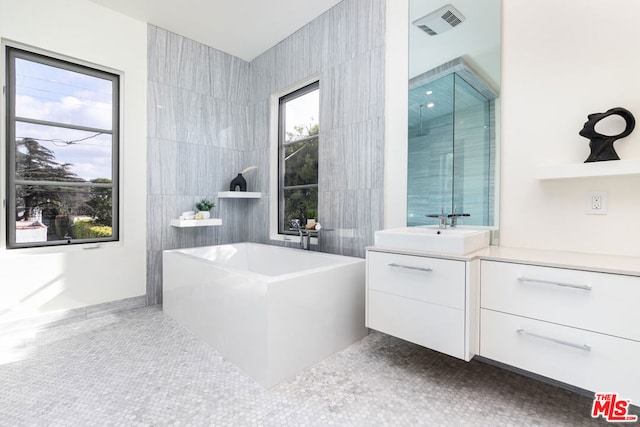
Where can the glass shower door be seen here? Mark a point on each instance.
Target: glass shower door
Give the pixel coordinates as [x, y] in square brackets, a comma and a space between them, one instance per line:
[471, 155]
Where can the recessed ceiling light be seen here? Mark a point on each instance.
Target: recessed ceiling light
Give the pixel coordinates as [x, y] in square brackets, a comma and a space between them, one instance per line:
[430, 105]
[429, 92]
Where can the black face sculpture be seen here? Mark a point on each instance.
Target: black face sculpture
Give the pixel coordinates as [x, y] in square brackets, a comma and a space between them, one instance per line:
[602, 145]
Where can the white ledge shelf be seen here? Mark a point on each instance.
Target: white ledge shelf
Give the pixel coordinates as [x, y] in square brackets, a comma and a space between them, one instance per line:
[239, 195]
[593, 169]
[211, 222]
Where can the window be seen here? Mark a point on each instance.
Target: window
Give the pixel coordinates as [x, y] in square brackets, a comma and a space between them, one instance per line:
[298, 138]
[62, 141]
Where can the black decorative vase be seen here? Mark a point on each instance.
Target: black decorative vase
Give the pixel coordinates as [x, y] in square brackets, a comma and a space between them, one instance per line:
[238, 183]
[602, 145]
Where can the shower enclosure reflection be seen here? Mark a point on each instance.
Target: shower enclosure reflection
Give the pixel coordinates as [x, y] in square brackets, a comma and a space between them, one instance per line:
[451, 146]
[454, 112]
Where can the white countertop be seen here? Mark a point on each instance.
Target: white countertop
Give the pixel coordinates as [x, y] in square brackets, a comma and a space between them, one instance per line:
[604, 263]
[469, 257]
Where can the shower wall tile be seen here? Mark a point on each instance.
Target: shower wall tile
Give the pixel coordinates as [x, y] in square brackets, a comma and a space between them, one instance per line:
[193, 70]
[374, 17]
[376, 76]
[161, 112]
[293, 66]
[332, 173]
[229, 77]
[377, 156]
[225, 124]
[259, 114]
[337, 44]
[355, 90]
[352, 157]
[376, 214]
[161, 155]
[353, 215]
[155, 225]
[353, 28]
[316, 42]
[154, 277]
[348, 44]
[239, 127]
[188, 110]
[178, 61]
[239, 81]
[359, 143]
[360, 85]
[198, 131]
[191, 170]
[160, 55]
[263, 78]
[217, 123]
[341, 221]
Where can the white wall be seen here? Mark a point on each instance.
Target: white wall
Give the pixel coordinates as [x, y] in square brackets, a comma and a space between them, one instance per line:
[556, 69]
[34, 281]
[396, 100]
[477, 39]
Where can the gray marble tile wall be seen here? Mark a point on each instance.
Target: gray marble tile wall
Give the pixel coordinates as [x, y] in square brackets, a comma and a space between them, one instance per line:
[344, 48]
[198, 125]
[209, 118]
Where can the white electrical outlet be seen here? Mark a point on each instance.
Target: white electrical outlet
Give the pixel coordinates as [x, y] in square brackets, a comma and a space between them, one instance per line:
[596, 203]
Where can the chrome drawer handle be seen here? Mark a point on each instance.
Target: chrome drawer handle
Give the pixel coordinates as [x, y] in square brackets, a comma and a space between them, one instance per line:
[584, 347]
[409, 267]
[550, 282]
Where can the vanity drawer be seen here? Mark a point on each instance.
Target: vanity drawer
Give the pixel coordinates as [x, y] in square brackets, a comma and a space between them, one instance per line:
[609, 364]
[601, 302]
[430, 325]
[433, 280]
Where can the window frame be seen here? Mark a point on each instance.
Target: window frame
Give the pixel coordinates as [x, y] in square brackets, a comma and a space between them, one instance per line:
[291, 95]
[16, 51]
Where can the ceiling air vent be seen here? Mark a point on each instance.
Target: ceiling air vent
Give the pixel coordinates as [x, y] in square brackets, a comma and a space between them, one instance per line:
[439, 21]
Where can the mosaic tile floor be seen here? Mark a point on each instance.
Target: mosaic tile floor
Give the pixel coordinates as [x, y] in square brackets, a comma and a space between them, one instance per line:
[140, 368]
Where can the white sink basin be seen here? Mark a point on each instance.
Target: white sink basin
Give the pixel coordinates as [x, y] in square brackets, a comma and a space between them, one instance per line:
[457, 241]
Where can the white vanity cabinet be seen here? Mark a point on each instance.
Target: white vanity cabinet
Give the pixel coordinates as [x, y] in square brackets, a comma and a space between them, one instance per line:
[575, 326]
[421, 299]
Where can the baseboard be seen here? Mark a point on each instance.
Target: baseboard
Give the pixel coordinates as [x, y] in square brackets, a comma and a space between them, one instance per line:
[62, 317]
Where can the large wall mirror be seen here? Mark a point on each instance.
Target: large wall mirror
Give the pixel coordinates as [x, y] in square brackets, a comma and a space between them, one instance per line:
[454, 111]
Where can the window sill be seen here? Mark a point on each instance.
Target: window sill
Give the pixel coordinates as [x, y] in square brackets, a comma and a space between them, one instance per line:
[287, 238]
[58, 249]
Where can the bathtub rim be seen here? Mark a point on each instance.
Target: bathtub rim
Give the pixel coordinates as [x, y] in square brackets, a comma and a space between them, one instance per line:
[345, 260]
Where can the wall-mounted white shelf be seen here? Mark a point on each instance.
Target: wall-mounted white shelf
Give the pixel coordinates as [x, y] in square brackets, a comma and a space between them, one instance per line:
[196, 222]
[587, 170]
[239, 195]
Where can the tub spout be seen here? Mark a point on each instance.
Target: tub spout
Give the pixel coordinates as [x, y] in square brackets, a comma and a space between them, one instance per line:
[304, 233]
[305, 239]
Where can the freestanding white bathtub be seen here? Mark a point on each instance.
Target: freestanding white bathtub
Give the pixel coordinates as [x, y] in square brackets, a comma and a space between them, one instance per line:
[270, 310]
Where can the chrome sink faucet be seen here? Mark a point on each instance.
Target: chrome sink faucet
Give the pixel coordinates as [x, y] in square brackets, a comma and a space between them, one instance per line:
[442, 219]
[454, 218]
